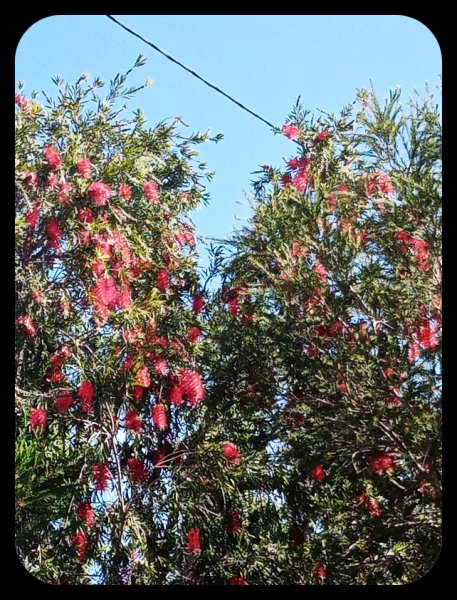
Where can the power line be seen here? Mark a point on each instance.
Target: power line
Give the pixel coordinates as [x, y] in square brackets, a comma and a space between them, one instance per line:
[214, 87]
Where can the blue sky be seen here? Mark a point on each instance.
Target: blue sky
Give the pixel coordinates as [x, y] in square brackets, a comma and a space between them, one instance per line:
[263, 61]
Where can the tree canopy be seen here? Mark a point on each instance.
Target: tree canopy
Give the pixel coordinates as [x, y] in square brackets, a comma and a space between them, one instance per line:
[274, 420]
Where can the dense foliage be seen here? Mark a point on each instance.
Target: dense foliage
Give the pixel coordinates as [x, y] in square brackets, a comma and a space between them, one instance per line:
[284, 428]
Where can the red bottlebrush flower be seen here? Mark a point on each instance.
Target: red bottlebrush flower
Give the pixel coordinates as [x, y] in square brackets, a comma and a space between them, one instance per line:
[128, 363]
[159, 416]
[372, 504]
[142, 377]
[193, 541]
[37, 296]
[319, 571]
[235, 525]
[53, 233]
[84, 167]
[311, 351]
[320, 271]
[231, 453]
[37, 418]
[163, 280]
[374, 508]
[394, 401]
[344, 387]
[33, 216]
[321, 136]
[413, 351]
[79, 540]
[85, 215]
[31, 178]
[137, 471]
[29, 326]
[427, 336]
[160, 365]
[420, 250]
[63, 401]
[133, 421]
[125, 191]
[378, 183]
[100, 476]
[318, 473]
[54, 375]
[300, 181]
[99, 193]
[52, 157]
[86, 395]
[124, 296]
[233, 306]
[159, 459]
[382, 464]
[198, 303]
[51, 181]
[194, 334]
[22, 102]
[63, 195]
[298, 250]
[286, 179]
[175, 396]
[191, 386]
[85, 512]
[290, 131]
[151, 191]
[105, 293]
[98, 267]
[389, 373]
[238, 580]
[137, 393]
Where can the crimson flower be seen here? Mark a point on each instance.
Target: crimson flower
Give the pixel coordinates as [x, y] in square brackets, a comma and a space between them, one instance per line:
[85, 512]
[318, 473]
[240, 580]
[151, 191]
[85, 215]
[79, 540]
[290, 131]
[100, 476]
[194, 334]
[319, 571]
[142, 377]
[125, 191]
[133, 421]
[191, 386]
[381, 464]
[84, 167]
[137, 471]
[31, 178]
[99, 193]
[231, 453]
[29, 326]
[163, 280]
[52, 157]
[193, 541]
[235, 525]
[175, 395]
[86, 394]
[198, 303]
[159, 416]
[63, 401]
[33, 216]
[321, 136]
[37, 418]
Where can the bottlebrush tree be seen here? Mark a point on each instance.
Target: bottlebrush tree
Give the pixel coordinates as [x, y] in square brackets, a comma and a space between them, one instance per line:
[328, 368]
[283, 429]
[109, 312]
